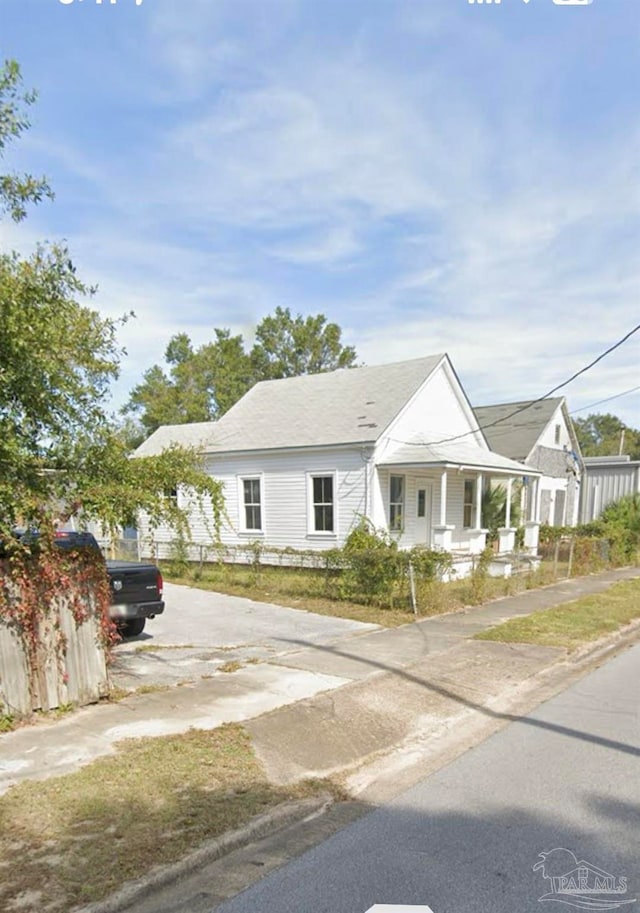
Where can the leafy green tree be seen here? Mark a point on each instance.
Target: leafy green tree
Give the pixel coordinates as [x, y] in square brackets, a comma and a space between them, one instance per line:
[16, 190]
[603, 435]
[289, 346]
[59, 452]
[57, 358]
[200, 385]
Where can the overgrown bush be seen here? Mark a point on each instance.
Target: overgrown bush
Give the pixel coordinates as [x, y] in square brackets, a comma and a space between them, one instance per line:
[621, 521]
[372, 563]
[480, 575]
[612, 539]
[179, 563]
[374, 569]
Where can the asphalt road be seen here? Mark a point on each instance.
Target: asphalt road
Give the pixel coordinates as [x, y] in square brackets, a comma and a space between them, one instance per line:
[465, 840]
[200, 631]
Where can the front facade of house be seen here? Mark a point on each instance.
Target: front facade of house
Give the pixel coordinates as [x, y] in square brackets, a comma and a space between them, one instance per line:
[541, 435]
[302, 460]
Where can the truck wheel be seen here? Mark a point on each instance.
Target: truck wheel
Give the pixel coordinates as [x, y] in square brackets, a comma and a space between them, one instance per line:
[133, 628]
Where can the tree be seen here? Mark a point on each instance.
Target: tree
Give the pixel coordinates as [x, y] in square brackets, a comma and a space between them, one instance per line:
[201, 385]
[59, 451]
[57, 358]
[16, 191]
[604, 435]
[288, 346]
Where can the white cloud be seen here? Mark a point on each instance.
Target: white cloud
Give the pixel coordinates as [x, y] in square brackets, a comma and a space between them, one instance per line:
[420, 206]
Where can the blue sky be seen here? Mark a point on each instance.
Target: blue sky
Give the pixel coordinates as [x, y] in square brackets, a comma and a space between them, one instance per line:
[430, 174]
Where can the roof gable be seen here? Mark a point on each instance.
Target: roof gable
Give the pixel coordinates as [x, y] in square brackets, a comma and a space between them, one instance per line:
[515, 435]
[349, 406]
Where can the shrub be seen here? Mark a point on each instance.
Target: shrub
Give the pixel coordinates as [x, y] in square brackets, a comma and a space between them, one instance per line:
[479, 575]
[179, 564]
[494, 510]
[373, 565]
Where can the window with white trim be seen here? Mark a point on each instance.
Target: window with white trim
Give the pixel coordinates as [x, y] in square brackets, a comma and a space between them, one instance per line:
[396, 503]
[556, 436]
[252, 504]
[322, 503]
[469, 503]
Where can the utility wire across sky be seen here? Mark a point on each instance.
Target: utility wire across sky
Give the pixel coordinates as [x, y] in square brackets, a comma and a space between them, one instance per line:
[533, 402]
[607, 400]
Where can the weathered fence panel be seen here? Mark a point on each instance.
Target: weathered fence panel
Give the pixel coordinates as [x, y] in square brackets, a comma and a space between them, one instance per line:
[73, 673]
[15, 693]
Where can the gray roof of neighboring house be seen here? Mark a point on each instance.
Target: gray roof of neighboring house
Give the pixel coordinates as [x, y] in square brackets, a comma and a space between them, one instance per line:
[515, 436]
[349, 406]
[192, 434]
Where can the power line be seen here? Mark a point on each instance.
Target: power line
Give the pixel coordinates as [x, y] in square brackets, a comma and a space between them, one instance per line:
[607, 400]
[533, 402]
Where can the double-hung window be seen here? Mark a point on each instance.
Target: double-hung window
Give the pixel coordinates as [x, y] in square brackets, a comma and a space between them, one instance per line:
[396, 503]
[469, 503]
[252, 505]
[322, 507]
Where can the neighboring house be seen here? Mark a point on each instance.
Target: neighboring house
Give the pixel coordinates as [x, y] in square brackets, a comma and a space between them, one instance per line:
[541, 435]
[608, 479]
[304, 458]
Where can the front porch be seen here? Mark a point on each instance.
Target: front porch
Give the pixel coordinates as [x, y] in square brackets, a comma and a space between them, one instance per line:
[441, 507]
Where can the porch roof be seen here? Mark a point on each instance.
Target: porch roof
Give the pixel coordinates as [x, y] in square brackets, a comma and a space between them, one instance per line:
[460, 454]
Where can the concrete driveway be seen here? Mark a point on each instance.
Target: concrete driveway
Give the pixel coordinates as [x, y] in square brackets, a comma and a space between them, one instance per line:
[201, 631]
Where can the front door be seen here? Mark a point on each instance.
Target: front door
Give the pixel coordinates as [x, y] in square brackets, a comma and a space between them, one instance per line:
[424, 497]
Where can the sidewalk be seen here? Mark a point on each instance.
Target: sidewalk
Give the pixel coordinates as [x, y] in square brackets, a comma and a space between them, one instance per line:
[316, 708]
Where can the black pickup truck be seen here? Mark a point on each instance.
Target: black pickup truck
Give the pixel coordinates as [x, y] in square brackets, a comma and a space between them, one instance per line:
[136, 588]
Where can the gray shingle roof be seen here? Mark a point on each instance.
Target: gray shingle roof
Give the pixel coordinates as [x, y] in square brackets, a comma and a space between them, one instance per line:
[194, 434]
[349, 406]
[515, 437]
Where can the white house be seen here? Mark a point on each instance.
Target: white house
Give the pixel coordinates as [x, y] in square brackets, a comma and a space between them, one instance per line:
[541, 435]
[304, 458]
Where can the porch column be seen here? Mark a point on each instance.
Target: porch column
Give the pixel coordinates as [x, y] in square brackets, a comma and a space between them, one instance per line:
[479, 501]
[532, 527]
[507, 518]
[507, 535]
[443, 498]
[478, 535]
[442, 534]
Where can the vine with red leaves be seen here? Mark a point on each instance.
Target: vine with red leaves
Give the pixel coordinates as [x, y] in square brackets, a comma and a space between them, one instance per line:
[35, 583]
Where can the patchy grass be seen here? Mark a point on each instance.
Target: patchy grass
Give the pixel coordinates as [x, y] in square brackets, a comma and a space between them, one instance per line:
[306, 589]
[575, 623]
[231, 666]
[75, 839]
[155, 648]
[295, 588]
[7, 721]
[116, 693]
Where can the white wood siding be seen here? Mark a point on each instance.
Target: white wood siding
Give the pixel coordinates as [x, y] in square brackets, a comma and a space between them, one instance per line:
[455, 504]
[438, 408]
[284, 494]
